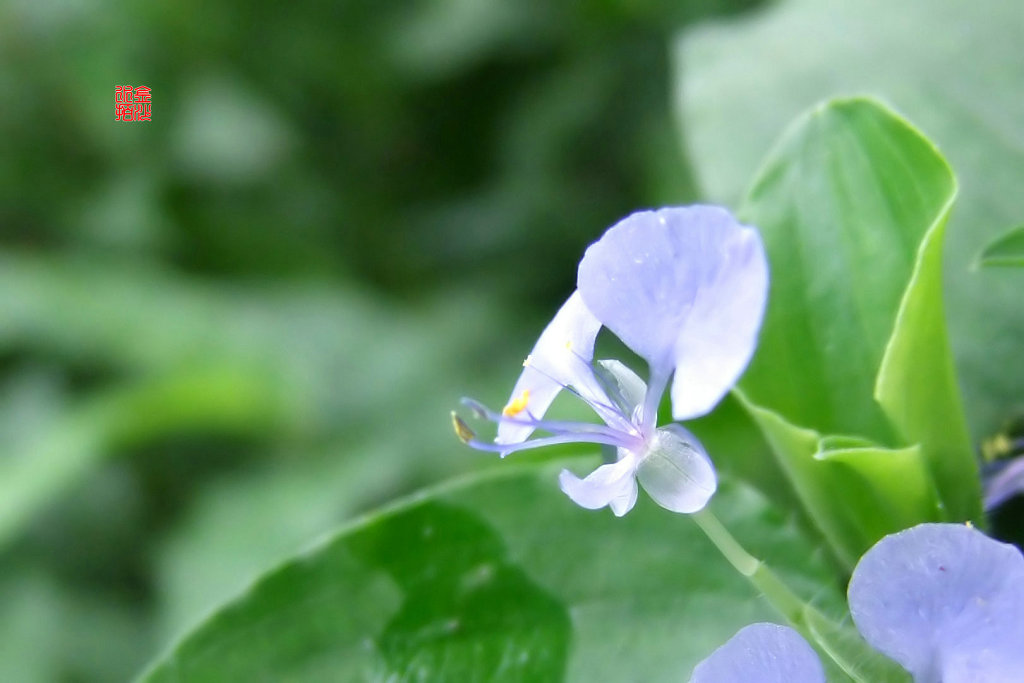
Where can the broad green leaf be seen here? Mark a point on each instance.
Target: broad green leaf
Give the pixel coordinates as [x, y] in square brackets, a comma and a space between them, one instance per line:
[917, 388]
[952, 67]
[238, 526]
[842, 204]
[500, 577]
[1005, 250]
[852, 204]
[854, 492]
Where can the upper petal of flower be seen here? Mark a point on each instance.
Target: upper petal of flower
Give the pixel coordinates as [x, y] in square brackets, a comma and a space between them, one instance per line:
[613, 485]
[685, 288]
[945, 601]
[765, 653]
[560, 358]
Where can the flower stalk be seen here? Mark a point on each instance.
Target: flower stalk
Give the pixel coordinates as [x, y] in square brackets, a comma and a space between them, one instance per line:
[778, 594]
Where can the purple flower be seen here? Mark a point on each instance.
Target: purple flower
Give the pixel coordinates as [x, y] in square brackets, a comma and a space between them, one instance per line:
[684, 288]
[1006, 481]
[943, 600]
[765, 653]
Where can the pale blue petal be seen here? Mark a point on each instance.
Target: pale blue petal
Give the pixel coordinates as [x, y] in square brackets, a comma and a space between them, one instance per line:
[560, 358]
[722, 327]
[685, 288]
[622, 385]
[762, 653]
[945, 601]
[1005, 484]
[676, 471]
[613, 485]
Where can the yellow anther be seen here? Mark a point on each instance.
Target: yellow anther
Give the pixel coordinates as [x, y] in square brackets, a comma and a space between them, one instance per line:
[517, 405]
[568, 345]
[462, 429]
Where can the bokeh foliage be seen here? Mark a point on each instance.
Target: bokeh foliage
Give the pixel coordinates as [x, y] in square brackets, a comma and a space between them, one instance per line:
[228, 330]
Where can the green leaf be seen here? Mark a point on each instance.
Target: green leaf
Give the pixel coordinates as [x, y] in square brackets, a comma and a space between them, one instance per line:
[240, 525]
[853, 342]
[854, 492]
[842, 203]
[917, 387]
[500, 577]
[733, 101]
[1005, 250]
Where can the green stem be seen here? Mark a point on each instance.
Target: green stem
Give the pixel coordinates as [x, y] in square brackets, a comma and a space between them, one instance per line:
[850, 653]
[757, 572]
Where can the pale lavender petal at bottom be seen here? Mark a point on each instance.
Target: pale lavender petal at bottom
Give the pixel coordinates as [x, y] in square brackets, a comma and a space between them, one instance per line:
[945, 601]
[676, 472]
[762, 653]
[613, 485]
[1006, 484]
[560, 358]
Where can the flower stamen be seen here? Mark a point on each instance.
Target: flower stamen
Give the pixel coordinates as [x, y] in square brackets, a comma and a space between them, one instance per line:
[462, 430]
[554, 427]
[517, 405]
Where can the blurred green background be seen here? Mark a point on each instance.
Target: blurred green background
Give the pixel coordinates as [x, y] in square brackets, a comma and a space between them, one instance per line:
[227, 330]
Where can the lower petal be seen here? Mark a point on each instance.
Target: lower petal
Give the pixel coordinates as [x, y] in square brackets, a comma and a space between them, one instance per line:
[676, 472]
[613, 485]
